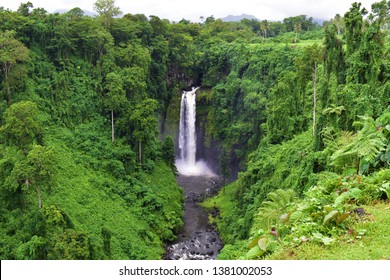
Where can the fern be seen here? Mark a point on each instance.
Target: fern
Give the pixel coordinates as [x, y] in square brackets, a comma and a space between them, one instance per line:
[329, 138]
[384, 122]
[365, 146]
[271, 210]
[333, 110]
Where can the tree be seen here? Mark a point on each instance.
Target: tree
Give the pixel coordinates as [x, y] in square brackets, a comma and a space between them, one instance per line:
[210, 20]
[297, 30]
[75, 14]
[338, 22]
[381, 12]
[144, 123]
[115, 97]
[264, 26]
[24, 8]
[282, 107]
[22, 125]
[107, 10]
[307, 65]
[168, 152]
[71, 245]
[39, 169]
[96, 41]
[334, 56]
[354, 27]
[365, 43]
[159, 51]
[11, 52]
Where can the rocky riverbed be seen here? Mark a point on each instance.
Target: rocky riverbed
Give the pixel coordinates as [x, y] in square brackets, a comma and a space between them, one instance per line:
[198, 239]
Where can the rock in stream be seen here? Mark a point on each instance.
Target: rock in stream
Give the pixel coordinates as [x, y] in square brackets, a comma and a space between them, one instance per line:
[198, 240]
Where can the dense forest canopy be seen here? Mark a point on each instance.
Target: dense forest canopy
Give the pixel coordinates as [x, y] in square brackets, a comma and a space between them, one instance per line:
[86, 169]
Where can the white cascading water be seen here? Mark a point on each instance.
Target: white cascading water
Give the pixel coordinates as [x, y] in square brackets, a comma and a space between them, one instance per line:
[187, 164]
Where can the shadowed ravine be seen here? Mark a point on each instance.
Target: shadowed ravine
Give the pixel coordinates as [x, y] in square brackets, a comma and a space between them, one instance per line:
[198, 240]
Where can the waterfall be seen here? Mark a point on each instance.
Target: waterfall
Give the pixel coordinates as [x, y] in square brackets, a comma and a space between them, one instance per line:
[187, 133]
[187, 163]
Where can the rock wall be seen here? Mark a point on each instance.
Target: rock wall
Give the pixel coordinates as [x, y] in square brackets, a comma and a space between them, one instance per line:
[207, 147]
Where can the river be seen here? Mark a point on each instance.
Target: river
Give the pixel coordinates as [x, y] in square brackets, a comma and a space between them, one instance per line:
[198, 240]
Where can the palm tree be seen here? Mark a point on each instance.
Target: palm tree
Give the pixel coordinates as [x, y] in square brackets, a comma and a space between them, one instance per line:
[264, 26]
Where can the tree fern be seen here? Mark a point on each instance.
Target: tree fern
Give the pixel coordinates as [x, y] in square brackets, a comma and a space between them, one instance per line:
[329, 137]
[365, 146]
[384, 122]
[333, 109]
[272, 209]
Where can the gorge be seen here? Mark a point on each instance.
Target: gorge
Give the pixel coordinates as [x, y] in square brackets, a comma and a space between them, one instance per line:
[69, 190]
[197, 239]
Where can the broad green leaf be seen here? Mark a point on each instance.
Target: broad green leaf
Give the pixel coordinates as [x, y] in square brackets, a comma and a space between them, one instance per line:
[254, 252]
[328, 208]
[355, 192]
[284, 218]
[263, 243]
[330, 216]
[327, 240]
[324, 239]
[341, 198]
[386, 188]
[272, 246]
[260, 232]
[316, 215]
[296, 216]
[342, 217]
[253, 243]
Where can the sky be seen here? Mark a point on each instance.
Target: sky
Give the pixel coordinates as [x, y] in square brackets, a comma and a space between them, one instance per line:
[175, 10]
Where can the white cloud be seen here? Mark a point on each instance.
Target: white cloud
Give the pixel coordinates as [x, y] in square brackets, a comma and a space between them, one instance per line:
[193, 9]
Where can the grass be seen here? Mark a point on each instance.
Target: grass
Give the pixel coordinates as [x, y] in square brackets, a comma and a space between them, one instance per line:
[374, 244]
[222, 201]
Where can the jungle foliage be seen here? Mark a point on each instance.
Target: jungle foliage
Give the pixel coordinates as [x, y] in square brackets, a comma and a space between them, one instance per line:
[321, 138]
[85, 173]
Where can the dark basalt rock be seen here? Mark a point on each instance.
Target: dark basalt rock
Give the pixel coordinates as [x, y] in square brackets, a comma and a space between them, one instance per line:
[359, 211]
[203, 245]
[199, 239]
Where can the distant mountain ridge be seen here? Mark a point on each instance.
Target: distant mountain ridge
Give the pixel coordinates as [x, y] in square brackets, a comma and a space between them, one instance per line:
[86, 12]
[231, 18]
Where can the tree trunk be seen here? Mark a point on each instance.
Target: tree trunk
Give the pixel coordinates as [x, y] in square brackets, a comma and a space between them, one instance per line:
[8, 93]
[112, 127]
[315, 100]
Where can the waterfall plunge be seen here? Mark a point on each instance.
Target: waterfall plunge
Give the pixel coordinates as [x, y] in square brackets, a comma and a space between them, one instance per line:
[187, 164]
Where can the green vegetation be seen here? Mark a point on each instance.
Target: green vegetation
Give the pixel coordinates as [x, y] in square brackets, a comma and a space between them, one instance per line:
[317, 173]
[300, 111]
